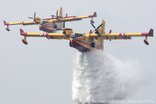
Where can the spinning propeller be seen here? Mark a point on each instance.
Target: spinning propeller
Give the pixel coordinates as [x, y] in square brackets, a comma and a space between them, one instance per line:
[35, 19]
[96, 28]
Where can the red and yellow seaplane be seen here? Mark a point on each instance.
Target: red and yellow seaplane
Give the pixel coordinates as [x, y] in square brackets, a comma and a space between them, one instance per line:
[88, 41]
[53, 24]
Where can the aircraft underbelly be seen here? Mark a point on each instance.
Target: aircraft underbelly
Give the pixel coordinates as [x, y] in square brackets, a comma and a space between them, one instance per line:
[78, 46]
[84, 46]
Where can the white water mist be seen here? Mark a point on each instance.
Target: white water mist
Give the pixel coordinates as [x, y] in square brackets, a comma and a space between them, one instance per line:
[99, 78]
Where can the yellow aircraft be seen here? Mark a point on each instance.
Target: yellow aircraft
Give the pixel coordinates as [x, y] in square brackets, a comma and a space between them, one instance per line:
[88, 41]
[56, 22]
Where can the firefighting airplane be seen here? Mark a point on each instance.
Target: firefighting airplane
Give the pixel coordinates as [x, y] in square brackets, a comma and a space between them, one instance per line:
[56, 22]
[88, 41]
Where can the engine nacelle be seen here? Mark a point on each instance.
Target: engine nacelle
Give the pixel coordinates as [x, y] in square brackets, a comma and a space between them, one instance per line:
[67, 32]
[37, 20]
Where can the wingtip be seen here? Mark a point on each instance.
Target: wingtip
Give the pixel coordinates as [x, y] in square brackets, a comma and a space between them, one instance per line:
[151, 32]
[95, 14]
[22, 32]
[4, 22]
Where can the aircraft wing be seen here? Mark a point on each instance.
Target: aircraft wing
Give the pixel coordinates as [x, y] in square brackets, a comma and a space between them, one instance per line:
[41, 34]
[7, 24]
[115, 36]
[118, 36]
[72, 18]
[19, 23]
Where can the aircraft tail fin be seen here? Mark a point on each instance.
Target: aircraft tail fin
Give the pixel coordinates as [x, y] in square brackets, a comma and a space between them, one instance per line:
[60, 14]
[101, 28]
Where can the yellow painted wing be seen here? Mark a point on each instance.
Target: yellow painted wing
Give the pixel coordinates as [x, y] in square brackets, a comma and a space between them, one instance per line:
[41, 34]
[121, 35]
[19, 23]
[71, 18]
[7, 24]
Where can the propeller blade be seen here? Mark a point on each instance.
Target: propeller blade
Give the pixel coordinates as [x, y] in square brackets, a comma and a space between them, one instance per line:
[91, 21]
[64, 24]
[93, 25]
[99, 26]
[30, 17]
[35, 15]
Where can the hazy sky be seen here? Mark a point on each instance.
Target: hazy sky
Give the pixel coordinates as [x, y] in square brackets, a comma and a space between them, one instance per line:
[41, 73]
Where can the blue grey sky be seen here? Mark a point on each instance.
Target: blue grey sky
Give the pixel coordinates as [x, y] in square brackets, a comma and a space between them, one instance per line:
[41, 73]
